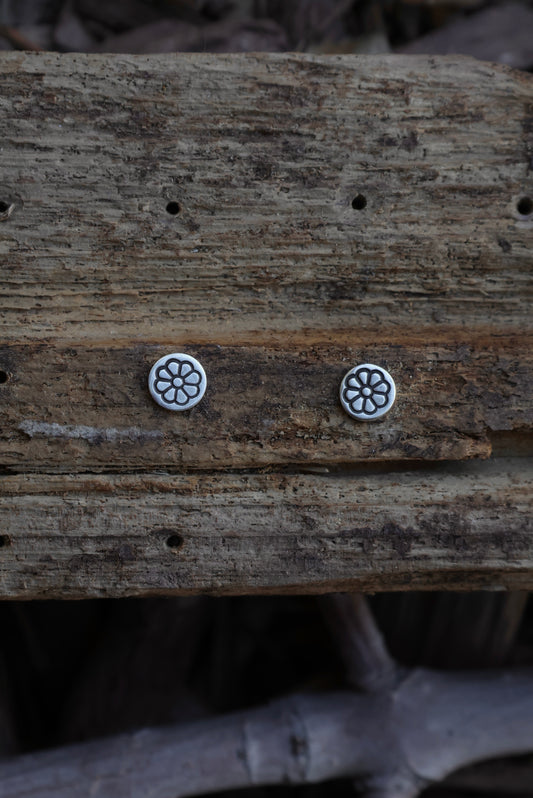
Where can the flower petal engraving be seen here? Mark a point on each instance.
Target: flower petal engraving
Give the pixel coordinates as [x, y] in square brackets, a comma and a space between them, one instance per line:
[170, 395]
[177, 381]
[363, 375]
[381, 387]
[367, 392]
[370, 407]
[349, 394]
[193, 378]
[191, 390]
[181, 397]
[163, 374]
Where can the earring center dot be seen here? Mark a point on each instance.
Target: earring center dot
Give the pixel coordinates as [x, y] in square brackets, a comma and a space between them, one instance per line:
[177, 382]
[366, 392]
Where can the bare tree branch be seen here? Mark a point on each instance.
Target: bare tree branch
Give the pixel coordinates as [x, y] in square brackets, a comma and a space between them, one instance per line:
[17, 39]
[369, 666]
[399, 742]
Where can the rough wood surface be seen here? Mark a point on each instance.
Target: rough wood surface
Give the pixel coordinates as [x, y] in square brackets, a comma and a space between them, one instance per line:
[453, 527]
[278, 284]
[267, 273]
[91, 408]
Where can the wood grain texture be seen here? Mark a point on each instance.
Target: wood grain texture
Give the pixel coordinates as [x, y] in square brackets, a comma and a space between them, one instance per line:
[265, 154]
[456, 527]
[267, 273]
[278, 285]
[263, 406]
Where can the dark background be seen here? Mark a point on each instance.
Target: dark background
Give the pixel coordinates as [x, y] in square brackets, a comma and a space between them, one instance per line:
[493, 31]
[78, 670]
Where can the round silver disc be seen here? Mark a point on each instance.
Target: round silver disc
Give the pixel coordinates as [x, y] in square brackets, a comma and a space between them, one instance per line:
[367, 392]
[177, 381]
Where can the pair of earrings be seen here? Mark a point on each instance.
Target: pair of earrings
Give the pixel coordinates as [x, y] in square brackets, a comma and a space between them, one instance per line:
[178, 382]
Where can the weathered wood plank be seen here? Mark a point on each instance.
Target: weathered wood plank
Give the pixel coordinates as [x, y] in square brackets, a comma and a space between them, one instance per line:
[457, 527]
[78, 408]
[267, 272]
[265, 155]
[272, 278]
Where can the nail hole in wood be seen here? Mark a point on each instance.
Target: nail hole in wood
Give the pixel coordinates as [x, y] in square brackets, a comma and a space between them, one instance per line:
[359, 202]
[524, 206]
[175, 542]
[4, 376]
[4, 541]
[173, 208]
[4, 206]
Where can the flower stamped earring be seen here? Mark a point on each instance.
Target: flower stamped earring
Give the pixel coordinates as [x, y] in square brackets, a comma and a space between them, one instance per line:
[367, 392]
[177, 381]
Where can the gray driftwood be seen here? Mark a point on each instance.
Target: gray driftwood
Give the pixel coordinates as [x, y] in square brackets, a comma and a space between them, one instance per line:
[395, 742]
[402, 731]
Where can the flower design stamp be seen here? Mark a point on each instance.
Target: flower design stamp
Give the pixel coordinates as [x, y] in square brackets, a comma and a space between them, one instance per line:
[367, 392]
[177, 381]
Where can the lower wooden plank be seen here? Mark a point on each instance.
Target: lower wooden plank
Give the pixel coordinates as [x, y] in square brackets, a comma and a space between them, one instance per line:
[454, 527]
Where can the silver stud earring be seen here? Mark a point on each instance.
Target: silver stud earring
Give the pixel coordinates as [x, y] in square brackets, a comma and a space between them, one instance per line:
[367, 392]
[177, 381]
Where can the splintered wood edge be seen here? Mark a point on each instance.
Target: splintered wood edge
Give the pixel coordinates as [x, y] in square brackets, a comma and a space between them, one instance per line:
[264, 406]
[452, 527]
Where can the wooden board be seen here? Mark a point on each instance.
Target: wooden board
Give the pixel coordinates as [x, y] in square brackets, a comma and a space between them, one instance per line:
[267, 273]
[276, 278]
[264, 405]
[457, 527]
